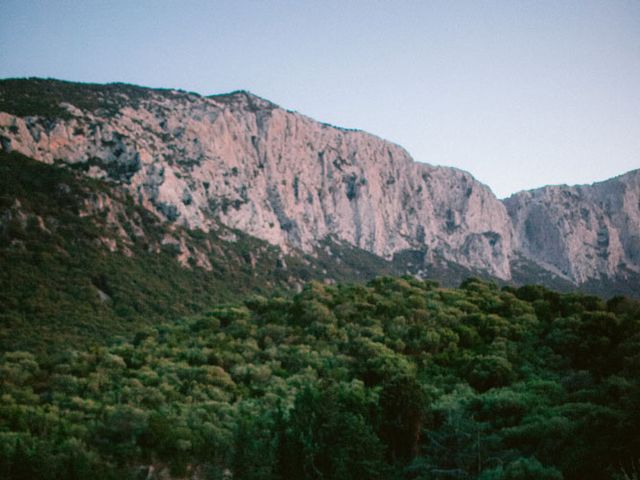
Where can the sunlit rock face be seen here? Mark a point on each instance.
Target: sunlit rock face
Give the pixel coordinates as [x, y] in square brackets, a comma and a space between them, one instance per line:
[274, 174]
[241, 161]
[580, 232]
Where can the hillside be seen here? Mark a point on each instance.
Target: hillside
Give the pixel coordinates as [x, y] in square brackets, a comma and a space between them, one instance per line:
[81, 261]
[183, 295]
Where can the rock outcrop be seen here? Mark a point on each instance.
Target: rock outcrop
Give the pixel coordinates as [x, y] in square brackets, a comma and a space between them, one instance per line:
[275, 174]
[581, 232]
[243, 162]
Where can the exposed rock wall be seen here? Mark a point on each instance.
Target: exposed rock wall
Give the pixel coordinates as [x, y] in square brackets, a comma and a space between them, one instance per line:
[242, 161]
[275, 174]
[580, 232]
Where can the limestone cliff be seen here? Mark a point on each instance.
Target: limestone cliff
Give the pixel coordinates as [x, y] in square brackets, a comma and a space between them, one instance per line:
[580, 232]
[272, 173]
[243, 162]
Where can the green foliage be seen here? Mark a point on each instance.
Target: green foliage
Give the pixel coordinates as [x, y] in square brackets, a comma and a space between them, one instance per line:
[43, 97]
[522, 469]
[330, 435]
[394, 379]
[60, 284]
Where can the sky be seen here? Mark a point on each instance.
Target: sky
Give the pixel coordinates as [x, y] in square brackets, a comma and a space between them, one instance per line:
[519, 93]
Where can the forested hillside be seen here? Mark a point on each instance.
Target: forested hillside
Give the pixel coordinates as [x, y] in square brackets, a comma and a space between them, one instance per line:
[396, 379]
[81, 262]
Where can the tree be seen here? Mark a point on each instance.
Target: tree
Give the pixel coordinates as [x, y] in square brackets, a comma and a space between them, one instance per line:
[403, 404]
[329, 436]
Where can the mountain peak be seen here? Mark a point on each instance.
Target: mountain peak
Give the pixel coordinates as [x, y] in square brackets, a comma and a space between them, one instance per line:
[244, 97]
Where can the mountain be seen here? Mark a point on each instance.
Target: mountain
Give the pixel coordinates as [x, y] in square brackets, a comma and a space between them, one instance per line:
[82, 261]
[239, 162]
[273, 174]
[582, 233]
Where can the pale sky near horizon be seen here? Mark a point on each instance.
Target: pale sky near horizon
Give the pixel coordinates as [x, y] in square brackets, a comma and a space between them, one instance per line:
[519, 93]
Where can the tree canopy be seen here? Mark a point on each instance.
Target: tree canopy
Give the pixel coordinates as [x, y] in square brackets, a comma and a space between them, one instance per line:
[394, 379]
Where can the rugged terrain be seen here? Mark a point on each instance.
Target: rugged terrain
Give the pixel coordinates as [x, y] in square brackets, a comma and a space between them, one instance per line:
[150, 241]
[581, 233]
[240, 162]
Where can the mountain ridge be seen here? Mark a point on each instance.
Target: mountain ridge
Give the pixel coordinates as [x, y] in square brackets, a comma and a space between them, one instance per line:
[292, 181]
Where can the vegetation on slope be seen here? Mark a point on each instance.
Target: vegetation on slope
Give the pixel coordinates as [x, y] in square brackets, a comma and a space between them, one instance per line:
[59, 283]
[395, 379]
[44, 96]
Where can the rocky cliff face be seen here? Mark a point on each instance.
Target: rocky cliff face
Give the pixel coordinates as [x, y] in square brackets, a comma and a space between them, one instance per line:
[581, 232]
[274, 174]
[241, 161]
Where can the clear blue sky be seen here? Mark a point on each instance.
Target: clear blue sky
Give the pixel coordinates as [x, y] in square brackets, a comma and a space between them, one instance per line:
[519, 93]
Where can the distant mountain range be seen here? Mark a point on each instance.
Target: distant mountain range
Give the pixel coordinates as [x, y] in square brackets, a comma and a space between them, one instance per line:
[344, 203]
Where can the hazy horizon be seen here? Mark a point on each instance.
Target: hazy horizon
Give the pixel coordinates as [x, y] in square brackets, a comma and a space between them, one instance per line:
[520, 94]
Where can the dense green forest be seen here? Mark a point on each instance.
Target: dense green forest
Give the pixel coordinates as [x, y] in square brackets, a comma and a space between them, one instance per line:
[395, 379]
